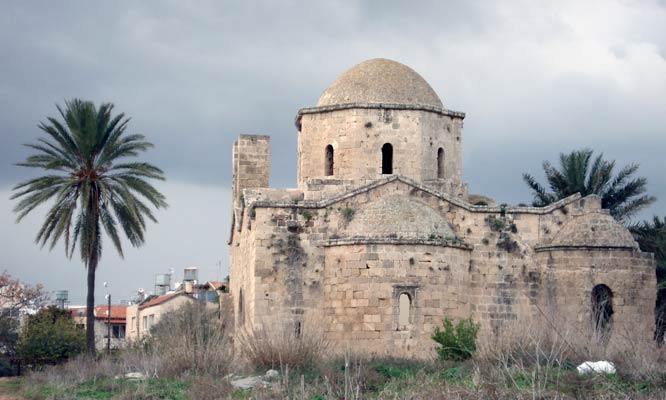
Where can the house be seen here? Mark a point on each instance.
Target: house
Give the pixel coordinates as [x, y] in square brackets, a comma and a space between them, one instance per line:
[115, 323]
[143, 316]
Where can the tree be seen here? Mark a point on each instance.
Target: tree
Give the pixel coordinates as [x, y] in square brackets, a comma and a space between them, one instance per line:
[621, 194]
[49, 337]
[16, 298]
[93, 186]
[651, 237]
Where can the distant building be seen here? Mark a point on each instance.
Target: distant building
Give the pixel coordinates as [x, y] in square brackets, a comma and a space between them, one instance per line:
[117, 322]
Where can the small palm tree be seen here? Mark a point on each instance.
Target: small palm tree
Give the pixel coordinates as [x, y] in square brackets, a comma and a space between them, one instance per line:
[92, 185]
[621, 194]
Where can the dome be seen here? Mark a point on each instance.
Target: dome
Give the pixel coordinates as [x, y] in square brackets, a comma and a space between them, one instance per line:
[593, 230]
[380, 81]
[398, 217]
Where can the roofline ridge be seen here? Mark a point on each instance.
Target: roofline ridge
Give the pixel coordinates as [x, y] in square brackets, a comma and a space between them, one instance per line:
[370, 105]
[444, 196]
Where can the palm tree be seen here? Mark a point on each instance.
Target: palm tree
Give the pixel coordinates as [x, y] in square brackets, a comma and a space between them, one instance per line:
[621, 194]
[651, 237]
[92, 185]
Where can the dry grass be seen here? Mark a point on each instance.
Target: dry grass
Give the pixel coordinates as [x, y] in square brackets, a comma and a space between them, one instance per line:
[190, 340]
[187, 348]
[531, 360]
[284, 344]
[538, 358]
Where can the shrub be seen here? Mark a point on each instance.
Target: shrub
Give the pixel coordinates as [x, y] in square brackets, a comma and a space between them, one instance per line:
[496, 224]
[283, 343]
[50, 337]
[307, 215]
[506, 243]
[457, 342]
[190, 339]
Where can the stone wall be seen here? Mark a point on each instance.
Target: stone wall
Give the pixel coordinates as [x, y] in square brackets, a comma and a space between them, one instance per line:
[250, 163]
[362, 287]
[570, 275]
[348, 248]
[357, 136]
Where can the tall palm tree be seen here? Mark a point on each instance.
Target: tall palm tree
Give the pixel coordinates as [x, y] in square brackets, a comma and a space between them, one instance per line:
[651, 237]
[622, 194]
[93, 187]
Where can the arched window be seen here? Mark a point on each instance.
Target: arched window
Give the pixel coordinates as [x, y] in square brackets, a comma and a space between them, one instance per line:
[241, 312]
[387, 159]
[405, 305]
[440, 163]
[602, 311]
[328, 163]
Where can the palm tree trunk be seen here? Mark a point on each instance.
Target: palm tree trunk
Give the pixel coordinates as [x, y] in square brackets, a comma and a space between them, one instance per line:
[90, 307]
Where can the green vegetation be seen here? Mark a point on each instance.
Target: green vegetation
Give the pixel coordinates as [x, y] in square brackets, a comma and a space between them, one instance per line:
[94, 187]
[348, 214]
[306, 214]
[457, 342]
[496, 224]
[651, 237]
[16, 297]
[49, 337]
[251, 212]
[622, 194]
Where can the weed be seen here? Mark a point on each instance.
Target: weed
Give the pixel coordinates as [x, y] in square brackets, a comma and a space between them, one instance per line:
[306, 214]
[412, 261]
[251, 212]
[348, 214]
[496, 224]
[457, 342]
[506, 243]
[513, 228]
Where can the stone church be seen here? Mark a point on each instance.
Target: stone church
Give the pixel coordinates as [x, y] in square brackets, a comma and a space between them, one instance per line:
[381, 240]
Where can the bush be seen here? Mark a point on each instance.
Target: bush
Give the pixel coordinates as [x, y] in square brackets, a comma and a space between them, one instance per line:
[496, 224]
[278, 343]
[190, 339]
[50, 337]
[457, 342]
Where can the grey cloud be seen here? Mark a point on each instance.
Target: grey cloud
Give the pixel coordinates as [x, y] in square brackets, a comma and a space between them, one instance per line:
[195, 75]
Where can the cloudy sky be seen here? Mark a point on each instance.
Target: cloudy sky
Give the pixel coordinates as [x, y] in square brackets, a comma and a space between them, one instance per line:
[535, 79]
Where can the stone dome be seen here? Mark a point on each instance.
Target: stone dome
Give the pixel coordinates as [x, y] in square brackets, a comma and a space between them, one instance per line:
[398, 217]
[594, 230]
[380, 81]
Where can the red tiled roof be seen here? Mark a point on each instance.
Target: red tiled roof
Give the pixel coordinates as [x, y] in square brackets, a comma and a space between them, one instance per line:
[118, 312]
[216, 284]
[161, 299]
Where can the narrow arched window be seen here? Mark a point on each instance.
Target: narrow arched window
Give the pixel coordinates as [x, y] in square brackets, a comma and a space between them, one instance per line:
[602, 311]
[241, 312]
[387, 159]
[440, 163]
[328, 163]
[404, 309]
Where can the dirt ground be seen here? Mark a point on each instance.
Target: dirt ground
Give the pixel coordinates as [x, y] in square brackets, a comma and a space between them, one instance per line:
[8, 388]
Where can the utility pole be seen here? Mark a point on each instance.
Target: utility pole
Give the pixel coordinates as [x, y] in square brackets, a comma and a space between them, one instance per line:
[108, 323]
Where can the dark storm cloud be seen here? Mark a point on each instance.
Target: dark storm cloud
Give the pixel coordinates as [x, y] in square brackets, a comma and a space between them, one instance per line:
[535, 79]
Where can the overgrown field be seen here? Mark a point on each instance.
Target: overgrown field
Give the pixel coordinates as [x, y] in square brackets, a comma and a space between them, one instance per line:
[189, 357]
